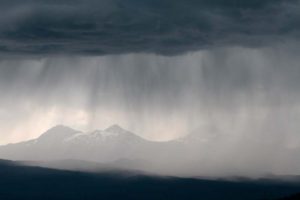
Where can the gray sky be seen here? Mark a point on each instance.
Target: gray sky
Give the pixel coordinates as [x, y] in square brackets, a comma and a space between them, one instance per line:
[158, 97]
[159, 68]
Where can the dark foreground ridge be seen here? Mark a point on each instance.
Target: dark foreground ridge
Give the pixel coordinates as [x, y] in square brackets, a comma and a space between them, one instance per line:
[25, 182]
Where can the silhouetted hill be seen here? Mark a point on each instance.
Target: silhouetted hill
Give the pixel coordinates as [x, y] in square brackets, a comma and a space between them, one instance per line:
[24, 182]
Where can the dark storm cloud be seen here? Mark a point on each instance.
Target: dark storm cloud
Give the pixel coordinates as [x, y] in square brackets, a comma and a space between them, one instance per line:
[156, 26]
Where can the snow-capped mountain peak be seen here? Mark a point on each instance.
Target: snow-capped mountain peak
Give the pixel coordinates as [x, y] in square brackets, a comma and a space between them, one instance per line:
[115, 129]
[112, 143]
[58, 132]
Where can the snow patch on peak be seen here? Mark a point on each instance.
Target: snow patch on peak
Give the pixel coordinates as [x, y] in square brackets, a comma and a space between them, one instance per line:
[77, 135]
[104, 134]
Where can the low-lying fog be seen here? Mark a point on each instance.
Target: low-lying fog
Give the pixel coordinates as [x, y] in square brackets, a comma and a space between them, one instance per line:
[242, 103]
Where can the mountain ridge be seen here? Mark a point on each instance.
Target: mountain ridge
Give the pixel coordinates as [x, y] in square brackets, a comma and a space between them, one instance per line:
[62, 142]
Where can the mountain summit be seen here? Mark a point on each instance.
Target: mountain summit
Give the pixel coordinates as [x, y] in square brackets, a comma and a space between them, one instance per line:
[62, 142]
[106, 146]
[58, 132]
[115, 128]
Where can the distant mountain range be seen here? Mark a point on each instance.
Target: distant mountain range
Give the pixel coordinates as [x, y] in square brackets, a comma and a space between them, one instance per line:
[195, 154]
[114, 163]
[112, 145]
[61, 142]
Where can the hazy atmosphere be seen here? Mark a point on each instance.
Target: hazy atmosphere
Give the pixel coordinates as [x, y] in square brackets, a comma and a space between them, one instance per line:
[226, 71]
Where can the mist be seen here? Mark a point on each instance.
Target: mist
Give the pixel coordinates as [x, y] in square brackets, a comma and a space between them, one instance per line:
[245, 100]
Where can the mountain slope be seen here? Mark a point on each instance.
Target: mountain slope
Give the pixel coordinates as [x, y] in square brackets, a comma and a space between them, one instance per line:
[61, 142]
[50, 141]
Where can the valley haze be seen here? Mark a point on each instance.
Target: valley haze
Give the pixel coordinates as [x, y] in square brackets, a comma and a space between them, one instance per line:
[116, 148]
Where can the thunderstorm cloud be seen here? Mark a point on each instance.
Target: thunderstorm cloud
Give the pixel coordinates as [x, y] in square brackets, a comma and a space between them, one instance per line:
[98, 27]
